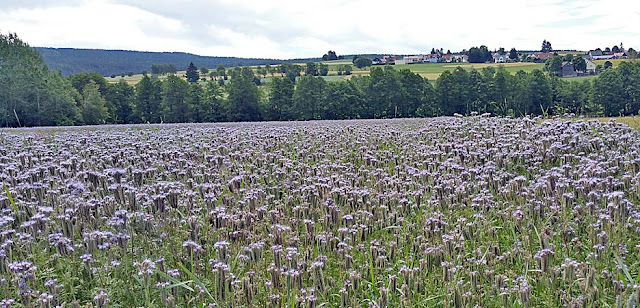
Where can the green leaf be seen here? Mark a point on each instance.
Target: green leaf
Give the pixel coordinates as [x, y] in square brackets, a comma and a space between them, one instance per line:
[13, 204]
[176, 282]
[197, 280]
[624, 270]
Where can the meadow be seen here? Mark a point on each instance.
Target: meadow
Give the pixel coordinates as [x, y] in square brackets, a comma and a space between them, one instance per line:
[432, 71]
[428, 70]
[440, 212]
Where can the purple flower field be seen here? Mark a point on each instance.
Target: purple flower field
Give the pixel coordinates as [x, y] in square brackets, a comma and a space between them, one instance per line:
[443, 212]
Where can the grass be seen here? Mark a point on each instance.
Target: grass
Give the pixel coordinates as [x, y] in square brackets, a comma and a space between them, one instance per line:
[615, 62]
[432, 71]
[632, 121]
[133, 80]
[581, 78]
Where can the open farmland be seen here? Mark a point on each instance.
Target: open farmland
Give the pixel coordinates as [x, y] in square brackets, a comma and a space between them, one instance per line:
[443, 212]
[432, 71]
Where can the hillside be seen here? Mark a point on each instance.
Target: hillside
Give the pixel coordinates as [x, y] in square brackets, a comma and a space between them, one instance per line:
[106, 62]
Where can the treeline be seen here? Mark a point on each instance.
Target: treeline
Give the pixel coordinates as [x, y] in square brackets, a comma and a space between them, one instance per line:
[31, 95]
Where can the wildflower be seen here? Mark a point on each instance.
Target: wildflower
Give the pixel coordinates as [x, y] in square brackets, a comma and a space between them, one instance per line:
[101, 299]
[145, 268]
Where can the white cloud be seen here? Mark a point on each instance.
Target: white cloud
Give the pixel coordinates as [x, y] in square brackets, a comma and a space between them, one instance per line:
[288, 28]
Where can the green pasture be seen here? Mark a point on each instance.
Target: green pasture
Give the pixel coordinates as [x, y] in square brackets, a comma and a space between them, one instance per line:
[615, 62]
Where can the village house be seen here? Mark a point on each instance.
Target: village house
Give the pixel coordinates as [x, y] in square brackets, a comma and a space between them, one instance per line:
[568, 70]
[498, 58]
[432, 58]
[455, 58]
[620, 55]
[541, 56]
[591, 67]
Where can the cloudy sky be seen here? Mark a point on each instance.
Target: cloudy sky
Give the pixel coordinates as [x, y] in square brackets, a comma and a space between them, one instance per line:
[308, 28]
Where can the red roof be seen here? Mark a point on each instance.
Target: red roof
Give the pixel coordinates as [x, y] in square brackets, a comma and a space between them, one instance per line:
[544, 55]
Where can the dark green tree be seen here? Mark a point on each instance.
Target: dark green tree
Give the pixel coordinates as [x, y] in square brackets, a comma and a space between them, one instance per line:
[204, 71]
[579, 64]
[174, 105]
[362, 62]
[572, 97]
[120, 100]
[608, 91]
[630, 72]
[311, 69]
[345, 100]
[192, 74]
[78, 81]
[323, 69]
[478, 91]
[330, 56]
[499, 92]
[293, 71]
[553, 66]
[195, 105]
[414, 91]
[383, 93]
[608, 64]
[309, 97]
[513, 54]
[539, 93]
[94, 109]
[212, 108]
[546, 46]
[147, 100]
[281, 91]
[222, 72]
[30, 94]
[243, 98]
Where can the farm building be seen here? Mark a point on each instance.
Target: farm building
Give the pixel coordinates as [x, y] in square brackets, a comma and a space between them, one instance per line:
[568, 70]
[410, 60]
[594, 53]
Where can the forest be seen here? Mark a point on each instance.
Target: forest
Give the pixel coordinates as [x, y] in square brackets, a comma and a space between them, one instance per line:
[33, 95]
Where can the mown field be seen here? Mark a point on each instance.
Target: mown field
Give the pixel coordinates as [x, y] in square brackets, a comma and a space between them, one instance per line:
[442, 212]
[432, 71]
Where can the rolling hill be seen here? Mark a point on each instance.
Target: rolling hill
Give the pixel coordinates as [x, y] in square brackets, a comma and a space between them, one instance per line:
[107, 62]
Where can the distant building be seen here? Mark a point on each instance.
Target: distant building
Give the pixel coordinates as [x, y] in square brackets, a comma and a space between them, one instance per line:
[591, 67]
[568, 70]
[455, 58]
[598, 55]
[594, 53]
[410, 60]
[542, 56]
[432, 58]
[620, 55]
[498, 58]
